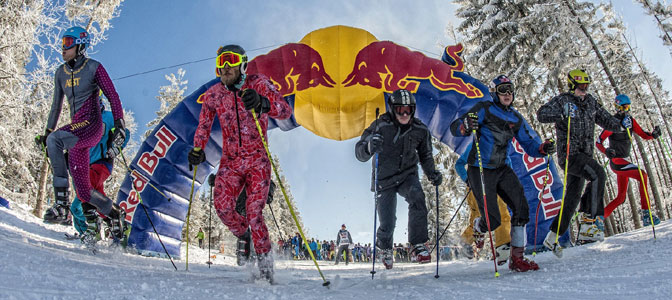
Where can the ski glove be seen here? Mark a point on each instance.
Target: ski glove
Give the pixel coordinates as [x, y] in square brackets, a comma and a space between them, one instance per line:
[211, 180]
[271, 191]
[375, 143]
[656, 132]
[470, 123]
[627, 122]
[118, 133]
[196, 156]
[610, 152]
[435, 178]
[547, 147]
[41, 140]
[569, 110]
[252, 100]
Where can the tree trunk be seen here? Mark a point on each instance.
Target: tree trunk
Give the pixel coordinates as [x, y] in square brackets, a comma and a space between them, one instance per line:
[654, 186]
[648, 83]
[634, 207]
[41, 188]
[605, 67]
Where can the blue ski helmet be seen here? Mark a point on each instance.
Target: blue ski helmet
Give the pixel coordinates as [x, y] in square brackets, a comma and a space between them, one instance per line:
[79, 36]
[622, 99]
[501, 84]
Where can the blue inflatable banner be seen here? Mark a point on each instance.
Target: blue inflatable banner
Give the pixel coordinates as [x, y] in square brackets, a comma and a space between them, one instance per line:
[335, 105]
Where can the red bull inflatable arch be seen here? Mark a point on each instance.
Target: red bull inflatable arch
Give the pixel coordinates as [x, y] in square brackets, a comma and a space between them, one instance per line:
[334, 79]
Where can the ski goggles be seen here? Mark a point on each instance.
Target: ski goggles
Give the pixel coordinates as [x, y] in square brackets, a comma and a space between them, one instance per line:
[68, 42]
[624, 107]
[505, 89]
[404, 110]
[230, 58]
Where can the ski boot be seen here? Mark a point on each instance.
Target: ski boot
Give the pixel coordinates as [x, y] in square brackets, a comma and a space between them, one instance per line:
[519, 263]
[479, 236]
[549, 242]
[589, 232]
[59, 213]
[118, 225]
[265, 264]
[387, 258]
[646, 220]
[92, 234]
[466, 250]
[243, 248]
[421, 254]
[502, 252]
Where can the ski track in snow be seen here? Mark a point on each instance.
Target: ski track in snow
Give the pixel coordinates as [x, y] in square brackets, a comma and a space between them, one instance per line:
[39, 263]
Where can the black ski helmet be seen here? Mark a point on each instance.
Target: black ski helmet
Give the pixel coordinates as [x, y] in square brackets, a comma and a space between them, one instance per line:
[401, 97]
[500, 80]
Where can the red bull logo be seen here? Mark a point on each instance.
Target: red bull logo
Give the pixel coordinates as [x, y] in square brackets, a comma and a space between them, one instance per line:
[129, 205]
[388, 66]
[148, 161]
[551, 206]
[292, 67]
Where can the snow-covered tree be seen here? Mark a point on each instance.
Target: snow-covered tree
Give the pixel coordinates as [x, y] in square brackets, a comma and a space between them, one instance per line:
[169, 96]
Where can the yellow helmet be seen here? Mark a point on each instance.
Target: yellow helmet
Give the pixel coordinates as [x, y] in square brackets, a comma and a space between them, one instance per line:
[575, 77]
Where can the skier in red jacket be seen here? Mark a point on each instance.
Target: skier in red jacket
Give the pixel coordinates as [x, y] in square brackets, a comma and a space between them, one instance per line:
[244, 162]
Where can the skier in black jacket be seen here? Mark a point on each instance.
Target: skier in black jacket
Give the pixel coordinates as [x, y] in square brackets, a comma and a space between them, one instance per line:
[585, 112]
[401, 141]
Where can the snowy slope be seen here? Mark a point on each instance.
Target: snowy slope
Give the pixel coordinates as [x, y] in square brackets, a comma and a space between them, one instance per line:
[36, 262]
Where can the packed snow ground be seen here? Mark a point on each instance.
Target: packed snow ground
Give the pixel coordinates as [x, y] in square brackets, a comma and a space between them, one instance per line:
[36, 262]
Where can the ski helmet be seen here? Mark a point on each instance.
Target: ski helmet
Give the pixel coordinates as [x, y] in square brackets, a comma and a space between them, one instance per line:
[238, 50]
[576, 77]
[76, 36]
[622, 102]
[501, 85]
[402, 99]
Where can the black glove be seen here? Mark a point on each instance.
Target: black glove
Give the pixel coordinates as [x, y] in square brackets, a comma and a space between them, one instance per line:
[41, 140]
[611, 153]
[470, 123]
[196, 156]
[569, 110]
[656, 132]
[435, 178]
[375, 143]
[118, 133]
[252, 100]
[547, 147]
[271, 191]
[211, 180]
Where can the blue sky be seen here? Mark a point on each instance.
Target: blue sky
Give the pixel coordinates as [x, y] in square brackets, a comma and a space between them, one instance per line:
[329, 185]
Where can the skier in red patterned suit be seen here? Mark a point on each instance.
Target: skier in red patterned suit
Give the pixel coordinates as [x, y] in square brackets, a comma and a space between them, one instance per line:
[244, 162]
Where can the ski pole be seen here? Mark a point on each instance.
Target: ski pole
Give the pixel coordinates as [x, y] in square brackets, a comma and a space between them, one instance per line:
[536, 216]
[564, 183]
[147, 214]
[191, 197]
[453, 217]
[375, 206]
[667, 149]
[274, 220]
[643, 183]
[485, 203]
[289, 204]
[438, 257]
[211, 182]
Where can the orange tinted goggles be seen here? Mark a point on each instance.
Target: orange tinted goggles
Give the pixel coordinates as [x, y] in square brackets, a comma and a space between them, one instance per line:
[68, 42]
[230, 58]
